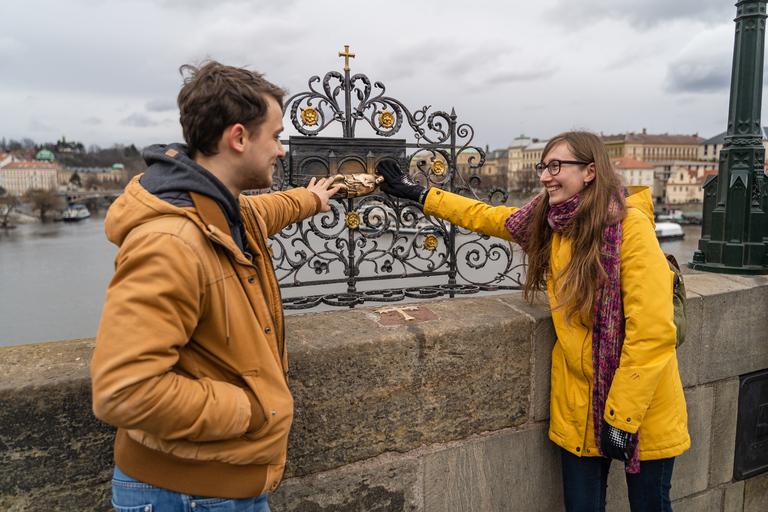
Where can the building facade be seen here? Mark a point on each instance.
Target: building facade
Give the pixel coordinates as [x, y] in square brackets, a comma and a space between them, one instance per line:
[20, 177]
[649, 148]
[635, 172]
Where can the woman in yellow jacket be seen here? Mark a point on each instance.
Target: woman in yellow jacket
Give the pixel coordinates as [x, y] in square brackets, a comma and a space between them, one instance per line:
[616, 391]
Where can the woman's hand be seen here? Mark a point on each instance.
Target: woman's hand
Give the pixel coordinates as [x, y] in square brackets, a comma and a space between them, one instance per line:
[399, 184]
[616, 443]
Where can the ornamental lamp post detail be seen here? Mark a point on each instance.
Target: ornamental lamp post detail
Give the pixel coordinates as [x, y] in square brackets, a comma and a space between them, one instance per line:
[734, 239]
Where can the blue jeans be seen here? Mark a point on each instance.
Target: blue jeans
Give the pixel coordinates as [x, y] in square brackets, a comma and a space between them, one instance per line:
[130, 495]
[585, 480]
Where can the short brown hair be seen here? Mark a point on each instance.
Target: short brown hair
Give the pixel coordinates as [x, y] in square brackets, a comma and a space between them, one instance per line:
[215, 96]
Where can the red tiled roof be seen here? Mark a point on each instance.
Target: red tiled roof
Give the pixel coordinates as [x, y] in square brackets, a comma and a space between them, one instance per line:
[653, 139]
[30, 165]
[630, 163]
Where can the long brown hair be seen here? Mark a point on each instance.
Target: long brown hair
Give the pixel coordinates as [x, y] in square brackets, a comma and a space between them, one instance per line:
[576, 284]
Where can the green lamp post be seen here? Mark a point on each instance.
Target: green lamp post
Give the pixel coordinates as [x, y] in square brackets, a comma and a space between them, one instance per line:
[734, 239]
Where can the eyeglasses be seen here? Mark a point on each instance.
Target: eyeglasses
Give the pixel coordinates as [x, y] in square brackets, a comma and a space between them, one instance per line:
[554, 166]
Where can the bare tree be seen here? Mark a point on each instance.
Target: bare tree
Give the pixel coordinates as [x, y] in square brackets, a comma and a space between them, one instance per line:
[8, 204]
[45, 201]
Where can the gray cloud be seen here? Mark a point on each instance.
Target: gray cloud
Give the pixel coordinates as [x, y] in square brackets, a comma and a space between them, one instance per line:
[697, 77]
[642, 15]
[138, 121]
[160, 105]
[703, 65]
[37, 126]
[527, 75]
[93, 121]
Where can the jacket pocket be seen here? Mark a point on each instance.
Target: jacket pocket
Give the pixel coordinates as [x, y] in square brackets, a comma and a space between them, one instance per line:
[259, 405]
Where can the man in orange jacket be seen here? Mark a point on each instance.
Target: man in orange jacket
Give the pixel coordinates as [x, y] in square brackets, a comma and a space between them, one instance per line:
[190, 361]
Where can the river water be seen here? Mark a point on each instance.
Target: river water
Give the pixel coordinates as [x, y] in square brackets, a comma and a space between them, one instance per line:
[54, 277]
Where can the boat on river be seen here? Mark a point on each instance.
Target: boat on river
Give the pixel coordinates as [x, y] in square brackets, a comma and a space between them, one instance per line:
[75, 213]
[669, 231]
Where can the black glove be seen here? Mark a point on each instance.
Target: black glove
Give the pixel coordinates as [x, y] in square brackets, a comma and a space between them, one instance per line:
[616, 443]
[399, 184]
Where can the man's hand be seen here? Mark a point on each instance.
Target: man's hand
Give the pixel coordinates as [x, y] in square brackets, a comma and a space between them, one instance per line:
[399, 184]
[325, 188]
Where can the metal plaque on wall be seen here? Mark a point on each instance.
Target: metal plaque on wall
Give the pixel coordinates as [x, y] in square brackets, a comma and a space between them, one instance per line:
[751, 455]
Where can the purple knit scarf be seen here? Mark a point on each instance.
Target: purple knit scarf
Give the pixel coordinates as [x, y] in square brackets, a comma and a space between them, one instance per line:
[608, 313]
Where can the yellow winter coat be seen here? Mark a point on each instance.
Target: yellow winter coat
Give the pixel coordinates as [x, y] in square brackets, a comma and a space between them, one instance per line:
[646, 392]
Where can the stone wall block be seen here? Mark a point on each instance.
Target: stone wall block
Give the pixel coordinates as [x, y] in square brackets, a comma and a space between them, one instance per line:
[377, 487]
[361, 389]
[691, 472]
[724, 431]
[733, 334]
[756, 493]
[54, 453]
[544, 339]
[711, 501]
[733, 500]
[512, 471]
[689, 353]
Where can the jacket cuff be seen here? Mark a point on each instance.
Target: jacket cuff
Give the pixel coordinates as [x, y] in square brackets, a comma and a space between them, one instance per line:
[318, 201]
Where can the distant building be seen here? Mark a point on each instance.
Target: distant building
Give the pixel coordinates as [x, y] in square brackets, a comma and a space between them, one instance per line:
[709, 149]
[94, 177]
[649, 148]
[19, 177]
[664, 172]
[44, 154]
[685, 185]
[635, 172]
[5, 158]
[523, 154]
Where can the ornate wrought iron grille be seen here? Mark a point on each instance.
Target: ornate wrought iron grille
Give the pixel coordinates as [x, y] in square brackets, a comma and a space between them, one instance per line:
[378, 238]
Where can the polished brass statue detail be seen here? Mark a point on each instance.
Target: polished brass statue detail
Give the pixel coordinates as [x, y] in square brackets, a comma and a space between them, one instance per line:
[401, 310]
[309, 116]
[430, 242]
[438, 168]
[346, 56]
[386, 119]
[356, 185]
[352, 220]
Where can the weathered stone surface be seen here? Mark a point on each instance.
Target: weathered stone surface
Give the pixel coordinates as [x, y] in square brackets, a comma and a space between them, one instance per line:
[361, 389]
[691, 473]
[691, 468]
[733, 336]
[711, 501]
[505, 472]
[544, 339]
[377, 487]
[756, 493]
[689, 353]
[52, 449]
[733, 499]
[75, 497]
[724, 431]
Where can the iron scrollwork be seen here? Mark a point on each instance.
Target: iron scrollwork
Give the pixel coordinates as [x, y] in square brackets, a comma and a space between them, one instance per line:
[376, 237]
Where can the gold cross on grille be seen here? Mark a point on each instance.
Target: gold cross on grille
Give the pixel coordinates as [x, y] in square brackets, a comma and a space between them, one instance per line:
[346, 56]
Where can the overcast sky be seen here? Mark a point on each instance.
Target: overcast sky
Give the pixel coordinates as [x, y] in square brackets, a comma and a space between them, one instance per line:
[105, 72]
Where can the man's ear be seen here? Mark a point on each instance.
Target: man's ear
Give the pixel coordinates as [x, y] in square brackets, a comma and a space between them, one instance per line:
[237, 135]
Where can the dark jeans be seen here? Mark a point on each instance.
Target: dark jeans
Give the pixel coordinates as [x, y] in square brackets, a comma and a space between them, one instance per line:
[585, 480]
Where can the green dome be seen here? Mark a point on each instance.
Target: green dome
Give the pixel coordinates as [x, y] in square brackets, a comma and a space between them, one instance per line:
[44, 154]
[118, 167]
